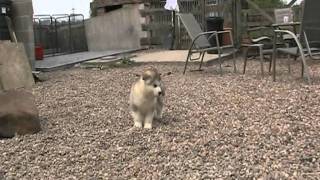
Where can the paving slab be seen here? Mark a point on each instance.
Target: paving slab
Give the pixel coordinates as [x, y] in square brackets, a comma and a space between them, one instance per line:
[167, 56]
[51, 63]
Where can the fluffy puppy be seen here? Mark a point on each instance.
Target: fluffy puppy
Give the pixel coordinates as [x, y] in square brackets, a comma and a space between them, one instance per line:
[146, 98]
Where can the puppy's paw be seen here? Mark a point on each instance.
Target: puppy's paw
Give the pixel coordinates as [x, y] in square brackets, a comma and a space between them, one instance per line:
[138, 124]
[148, 126]
[159, 116]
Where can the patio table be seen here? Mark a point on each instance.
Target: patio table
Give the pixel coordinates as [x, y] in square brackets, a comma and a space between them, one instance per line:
[292, 24]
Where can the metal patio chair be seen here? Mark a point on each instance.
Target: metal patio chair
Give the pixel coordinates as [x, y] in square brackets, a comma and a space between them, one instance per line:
[263, 44]
[310, 28]
[307, 41]
[201, 41]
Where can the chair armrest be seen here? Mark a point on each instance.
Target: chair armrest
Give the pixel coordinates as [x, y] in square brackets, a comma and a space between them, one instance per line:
[263, 38]
[230, 36]
[224, 32]
[295, 38]
[211, 33]
[252, 45]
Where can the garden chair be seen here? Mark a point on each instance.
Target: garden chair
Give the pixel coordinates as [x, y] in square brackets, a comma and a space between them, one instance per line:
[262, 43]
[201, 41]
[307, 42]
[310, 28]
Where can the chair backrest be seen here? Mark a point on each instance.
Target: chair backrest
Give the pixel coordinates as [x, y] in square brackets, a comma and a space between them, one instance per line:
[193, 28]
[283, 15]
[310, 24]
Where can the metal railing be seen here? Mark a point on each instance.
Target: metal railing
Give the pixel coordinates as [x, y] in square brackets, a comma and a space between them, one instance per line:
[60, 33]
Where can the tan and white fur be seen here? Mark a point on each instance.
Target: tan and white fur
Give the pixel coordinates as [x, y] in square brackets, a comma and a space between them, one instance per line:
[146, 99]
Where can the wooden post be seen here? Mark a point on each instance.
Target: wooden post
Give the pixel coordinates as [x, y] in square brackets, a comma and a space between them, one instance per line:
[173, 30]
[236, 22]
[204, 13]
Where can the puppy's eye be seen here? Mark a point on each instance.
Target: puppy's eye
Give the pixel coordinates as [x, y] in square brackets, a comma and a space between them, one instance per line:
[155, 85]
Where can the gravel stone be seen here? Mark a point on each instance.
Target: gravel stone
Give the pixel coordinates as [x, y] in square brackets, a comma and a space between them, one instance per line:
[214, 127]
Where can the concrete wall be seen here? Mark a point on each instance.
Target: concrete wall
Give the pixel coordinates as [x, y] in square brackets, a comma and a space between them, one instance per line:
[22, 11]
[119, 29]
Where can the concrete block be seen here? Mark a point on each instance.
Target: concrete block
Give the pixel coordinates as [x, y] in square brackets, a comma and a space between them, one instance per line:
[18, 114]
[24, 23]
[15, 70]
[29, 48]
[119, 29]
[25, 36]
[22, 7]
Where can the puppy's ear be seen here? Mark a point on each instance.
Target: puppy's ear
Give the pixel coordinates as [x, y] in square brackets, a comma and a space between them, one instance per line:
[146, 76]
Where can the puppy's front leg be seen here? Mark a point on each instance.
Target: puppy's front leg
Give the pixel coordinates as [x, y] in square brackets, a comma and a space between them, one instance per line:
[148, 121]
[158, 109]
[158, 112]
[137, 118]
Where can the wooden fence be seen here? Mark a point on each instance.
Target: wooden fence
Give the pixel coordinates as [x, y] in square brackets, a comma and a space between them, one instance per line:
[159, 21]
[236, 14]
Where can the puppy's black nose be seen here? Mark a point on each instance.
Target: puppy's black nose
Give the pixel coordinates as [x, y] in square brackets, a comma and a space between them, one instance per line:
[160, 93]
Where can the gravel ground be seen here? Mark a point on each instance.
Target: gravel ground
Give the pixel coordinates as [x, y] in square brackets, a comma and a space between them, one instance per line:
[231, 127]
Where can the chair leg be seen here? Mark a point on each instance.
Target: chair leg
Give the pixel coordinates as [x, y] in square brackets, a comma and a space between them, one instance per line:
[245, 60]
[234, 62]
[270, 64]
[305, 69]
[288, 62]
[202, 57]
[261, 60]
[220, 64]
[274, 58]
[186, 64]
[302, 69]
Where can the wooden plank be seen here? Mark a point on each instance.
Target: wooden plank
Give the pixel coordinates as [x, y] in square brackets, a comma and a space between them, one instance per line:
[263, 12]
[253, 11]
[154, 10]
[10, 27]
[156, 40]
[240, 24]
[104, 3]
[145, 41]
[257, 24]
[155, 26]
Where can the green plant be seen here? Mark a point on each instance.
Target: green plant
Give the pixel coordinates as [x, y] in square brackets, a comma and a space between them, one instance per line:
[125, 60]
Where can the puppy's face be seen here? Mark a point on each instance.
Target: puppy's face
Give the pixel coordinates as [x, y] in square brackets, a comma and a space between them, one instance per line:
[152, 80]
